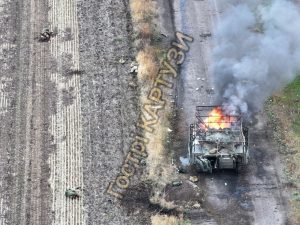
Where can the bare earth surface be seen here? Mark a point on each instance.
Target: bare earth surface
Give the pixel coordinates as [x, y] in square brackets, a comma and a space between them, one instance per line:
[109, 105]
[66, 110]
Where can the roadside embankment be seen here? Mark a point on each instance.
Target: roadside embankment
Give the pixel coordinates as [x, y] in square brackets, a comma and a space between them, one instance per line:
[158, 54]
[284, 113]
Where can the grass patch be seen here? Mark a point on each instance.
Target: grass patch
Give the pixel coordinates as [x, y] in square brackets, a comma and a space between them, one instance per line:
[284, 113]
[285, 108]
[150, 52]
[148, 64]
[142, 10]
[168, 220]
[296, 126]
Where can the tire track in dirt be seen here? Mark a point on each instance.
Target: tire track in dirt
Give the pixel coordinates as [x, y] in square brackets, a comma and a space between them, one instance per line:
[26, 169]
[35, 126]
[16, 170]
[8, 53]
[33, 209]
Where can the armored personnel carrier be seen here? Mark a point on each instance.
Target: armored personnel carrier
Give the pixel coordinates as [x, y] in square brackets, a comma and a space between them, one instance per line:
[217, 141]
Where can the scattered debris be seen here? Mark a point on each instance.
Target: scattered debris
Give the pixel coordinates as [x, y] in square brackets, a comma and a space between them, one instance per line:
[194, 179]
[176, 183]
[134, 68]
[143, 162]
[71, 193]
[196, 206]
[205, 35]
[181, 169]
[132, 84]
[122, 61]
[45, 35]
[74, 72]
[195, 187]
[210, 91]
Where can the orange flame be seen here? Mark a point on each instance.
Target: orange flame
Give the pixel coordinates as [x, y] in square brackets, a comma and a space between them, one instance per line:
[217, 120]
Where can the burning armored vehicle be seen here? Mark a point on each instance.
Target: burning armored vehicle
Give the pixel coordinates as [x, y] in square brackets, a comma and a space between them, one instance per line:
[217, 141]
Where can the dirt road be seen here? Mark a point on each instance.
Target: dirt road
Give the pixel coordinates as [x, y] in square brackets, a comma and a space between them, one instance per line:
[256, 195]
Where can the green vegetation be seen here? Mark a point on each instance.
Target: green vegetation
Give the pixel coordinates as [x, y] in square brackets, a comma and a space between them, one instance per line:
[291, 97]
[187, 222]
[283, 110]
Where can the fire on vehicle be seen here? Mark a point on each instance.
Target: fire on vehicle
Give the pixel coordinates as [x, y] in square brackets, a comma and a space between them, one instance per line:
[217, 140]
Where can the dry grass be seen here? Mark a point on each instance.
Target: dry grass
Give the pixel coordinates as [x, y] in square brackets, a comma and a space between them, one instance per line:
[292, 165]
[143, 15]
[164, 220]
[142, 10]
[148, 65]
[159, 166]
[286, 120]
[160, 200]
[146, 30]
[159, 170]
[167, 220]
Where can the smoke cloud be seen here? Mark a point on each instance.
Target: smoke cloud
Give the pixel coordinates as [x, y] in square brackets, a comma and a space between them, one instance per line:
[256, 52]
